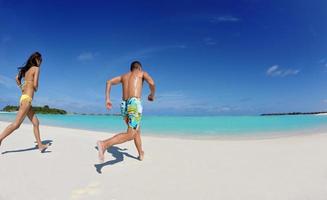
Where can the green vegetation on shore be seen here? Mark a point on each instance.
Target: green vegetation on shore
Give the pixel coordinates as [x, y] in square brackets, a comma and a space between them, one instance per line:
[40, 110]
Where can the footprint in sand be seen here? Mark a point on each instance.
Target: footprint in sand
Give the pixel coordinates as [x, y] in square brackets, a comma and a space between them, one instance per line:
[85, 193]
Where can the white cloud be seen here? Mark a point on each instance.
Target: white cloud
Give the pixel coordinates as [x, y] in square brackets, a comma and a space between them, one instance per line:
[226, 18]
[6, 81]
[209, 41]
[143, 53]
[276, 71]
[9, 99]
[323, 63]
[323, 60]
[70, 104]
[224, 109]
[86, 56]
[5, 39]
[179, 102]
[272, 69]
[169, 100]
[182, 46]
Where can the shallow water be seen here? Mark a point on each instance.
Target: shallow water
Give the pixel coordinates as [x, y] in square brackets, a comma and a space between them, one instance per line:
[187, 126]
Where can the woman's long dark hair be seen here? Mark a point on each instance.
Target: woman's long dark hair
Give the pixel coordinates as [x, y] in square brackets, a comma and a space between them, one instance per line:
[29, 63]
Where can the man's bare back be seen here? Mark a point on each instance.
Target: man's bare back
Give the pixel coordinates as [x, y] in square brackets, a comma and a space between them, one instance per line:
[132, 83]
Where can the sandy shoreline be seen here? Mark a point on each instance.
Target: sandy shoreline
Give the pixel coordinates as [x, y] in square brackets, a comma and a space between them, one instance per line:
[280, 168]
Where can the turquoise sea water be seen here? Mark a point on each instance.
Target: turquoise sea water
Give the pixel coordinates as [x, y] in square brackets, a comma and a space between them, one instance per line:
[188, 126]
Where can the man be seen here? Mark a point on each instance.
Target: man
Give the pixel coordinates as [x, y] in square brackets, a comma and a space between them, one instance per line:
[131, 107]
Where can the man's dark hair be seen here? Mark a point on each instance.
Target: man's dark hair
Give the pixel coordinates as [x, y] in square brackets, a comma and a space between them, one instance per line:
[136, 65]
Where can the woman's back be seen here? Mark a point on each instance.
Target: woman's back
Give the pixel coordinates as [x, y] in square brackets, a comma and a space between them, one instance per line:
[28, 85]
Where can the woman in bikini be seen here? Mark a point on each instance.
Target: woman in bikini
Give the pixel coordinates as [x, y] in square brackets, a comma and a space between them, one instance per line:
[30, 73]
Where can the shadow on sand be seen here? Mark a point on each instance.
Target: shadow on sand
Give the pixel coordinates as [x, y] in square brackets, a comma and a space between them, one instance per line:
[117, 153]
[49, 142]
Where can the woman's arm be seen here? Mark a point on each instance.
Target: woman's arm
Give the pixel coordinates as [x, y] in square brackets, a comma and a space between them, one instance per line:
[18, 82]
[36, 78]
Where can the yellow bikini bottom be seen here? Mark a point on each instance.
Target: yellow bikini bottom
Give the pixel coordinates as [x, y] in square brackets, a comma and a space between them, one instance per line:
[26, 98]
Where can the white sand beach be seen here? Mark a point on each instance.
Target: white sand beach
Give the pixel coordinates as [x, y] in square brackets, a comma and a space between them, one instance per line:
[287, 168]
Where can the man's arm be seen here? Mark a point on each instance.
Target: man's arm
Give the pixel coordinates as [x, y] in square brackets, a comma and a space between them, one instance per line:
[111, 82]
[152, 86]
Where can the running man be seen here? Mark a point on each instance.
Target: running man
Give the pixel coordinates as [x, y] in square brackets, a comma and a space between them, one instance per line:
[131, 107]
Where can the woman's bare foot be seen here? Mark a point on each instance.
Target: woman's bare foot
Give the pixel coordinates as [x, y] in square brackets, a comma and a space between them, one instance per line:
[101, 151]
[43, 147]
[141, 156]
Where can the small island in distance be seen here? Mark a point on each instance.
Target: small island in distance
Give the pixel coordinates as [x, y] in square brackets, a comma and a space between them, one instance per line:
[295, 113]
[47, 110]
[39, 110]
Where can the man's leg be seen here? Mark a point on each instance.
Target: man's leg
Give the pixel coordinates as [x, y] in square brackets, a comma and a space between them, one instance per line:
[117, 139]
[138, 144]
[137, 140]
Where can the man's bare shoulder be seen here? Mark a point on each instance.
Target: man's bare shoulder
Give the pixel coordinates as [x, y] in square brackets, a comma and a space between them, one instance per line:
[126, 75]
[145, 74]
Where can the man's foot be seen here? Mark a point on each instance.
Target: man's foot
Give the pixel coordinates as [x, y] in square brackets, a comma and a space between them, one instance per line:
[141, 156]
[101, 151]
[43, 147]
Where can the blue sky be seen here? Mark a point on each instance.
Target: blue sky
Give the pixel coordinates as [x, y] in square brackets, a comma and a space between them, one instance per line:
[207, 57]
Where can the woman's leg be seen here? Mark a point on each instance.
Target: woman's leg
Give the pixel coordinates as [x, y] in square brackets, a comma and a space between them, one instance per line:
[35, 121]
[23, 109]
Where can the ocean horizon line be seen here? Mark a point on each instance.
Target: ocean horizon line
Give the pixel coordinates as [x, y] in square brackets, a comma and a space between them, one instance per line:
[190, 115]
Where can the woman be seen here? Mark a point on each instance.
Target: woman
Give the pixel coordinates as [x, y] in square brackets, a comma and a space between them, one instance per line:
[30, 72]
